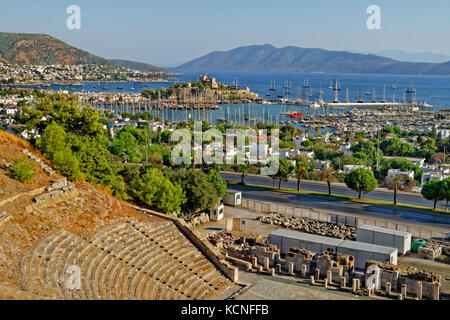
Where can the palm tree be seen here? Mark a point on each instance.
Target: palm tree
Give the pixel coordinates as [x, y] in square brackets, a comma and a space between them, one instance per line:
[243, 169]
[328, 176]
[301, 171]
[395, 185]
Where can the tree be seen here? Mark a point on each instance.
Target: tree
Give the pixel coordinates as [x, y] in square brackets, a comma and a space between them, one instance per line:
[200, 193]
[285, 171]
[361, 180]
[300, 172]
[243, 169]
[155, 190]
[445, 191]
[54, 146]
[327, 175]
[216, 180]
[21, 169]
[395, 185]
[432, 191]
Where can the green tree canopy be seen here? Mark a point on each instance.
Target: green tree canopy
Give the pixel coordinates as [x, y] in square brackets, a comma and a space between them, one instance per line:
[200, 193]
[401, 164]
[361, 180]
[156, 191]
[432, 190]
[216, 180]
[285, 171]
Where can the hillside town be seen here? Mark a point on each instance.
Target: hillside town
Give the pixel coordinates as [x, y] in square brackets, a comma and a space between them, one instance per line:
[35, 74]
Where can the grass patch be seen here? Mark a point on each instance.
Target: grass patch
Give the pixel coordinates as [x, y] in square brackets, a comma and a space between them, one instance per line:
[346, 198]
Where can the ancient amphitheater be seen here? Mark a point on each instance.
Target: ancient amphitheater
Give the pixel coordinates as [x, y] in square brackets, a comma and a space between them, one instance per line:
[74, 241]
[127, 260]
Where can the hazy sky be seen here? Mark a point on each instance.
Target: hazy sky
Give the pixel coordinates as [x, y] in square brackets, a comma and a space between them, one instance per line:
[170, 32]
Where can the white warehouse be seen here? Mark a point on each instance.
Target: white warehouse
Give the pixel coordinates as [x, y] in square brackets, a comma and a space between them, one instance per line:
[385, 237]
[286, 239]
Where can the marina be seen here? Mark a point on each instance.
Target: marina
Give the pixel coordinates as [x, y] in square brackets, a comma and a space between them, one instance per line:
[285, 98]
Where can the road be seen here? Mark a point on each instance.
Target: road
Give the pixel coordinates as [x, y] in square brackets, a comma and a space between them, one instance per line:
[337, 189]
[344, 207]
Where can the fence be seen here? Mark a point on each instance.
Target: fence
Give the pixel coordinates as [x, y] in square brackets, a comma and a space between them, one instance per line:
[301, 212]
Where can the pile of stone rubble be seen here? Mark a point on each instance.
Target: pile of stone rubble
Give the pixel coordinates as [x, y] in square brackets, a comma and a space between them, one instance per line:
[327, 229]
[225, 239]
[57, 188]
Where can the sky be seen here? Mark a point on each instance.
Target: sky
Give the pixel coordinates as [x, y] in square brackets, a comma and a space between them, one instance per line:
[171, 32]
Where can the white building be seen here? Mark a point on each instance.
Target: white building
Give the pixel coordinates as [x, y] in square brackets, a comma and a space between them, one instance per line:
[444, 132]
[350, 167]
[298, 140]
[346, 149]
[433, 175]
[392, 173]
[322, 165]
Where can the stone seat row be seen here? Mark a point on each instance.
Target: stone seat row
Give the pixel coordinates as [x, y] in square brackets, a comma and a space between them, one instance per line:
[127, 260]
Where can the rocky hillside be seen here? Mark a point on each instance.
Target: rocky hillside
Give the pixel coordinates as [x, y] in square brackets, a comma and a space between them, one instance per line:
[82, 210]
[41, 49]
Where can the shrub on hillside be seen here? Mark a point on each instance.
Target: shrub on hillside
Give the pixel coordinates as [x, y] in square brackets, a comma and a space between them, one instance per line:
[22, 170]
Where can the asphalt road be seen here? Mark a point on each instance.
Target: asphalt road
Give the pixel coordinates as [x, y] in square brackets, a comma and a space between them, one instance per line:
[345, 207]
[337, 189]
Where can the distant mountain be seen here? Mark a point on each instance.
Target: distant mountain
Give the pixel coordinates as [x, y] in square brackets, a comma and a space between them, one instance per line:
[414, 57]
[143, 67]
[42, 49]
[296, 59]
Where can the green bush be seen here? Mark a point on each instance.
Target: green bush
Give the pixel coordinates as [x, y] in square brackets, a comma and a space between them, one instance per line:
[22, 170]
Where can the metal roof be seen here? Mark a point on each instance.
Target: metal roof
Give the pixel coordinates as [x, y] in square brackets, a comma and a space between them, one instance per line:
[306, 237]
[347, 244]
[385, 230]
[362, 246]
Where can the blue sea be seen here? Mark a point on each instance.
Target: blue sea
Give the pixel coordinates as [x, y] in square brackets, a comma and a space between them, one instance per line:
[434, 90]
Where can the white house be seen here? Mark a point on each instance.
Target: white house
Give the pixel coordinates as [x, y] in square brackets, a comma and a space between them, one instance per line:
[298, 140]
[433, 175]
[392, 173]
[350, 167]
[444, 132]
[322, 165]
[309, 154]
[346, 149]
[8, 111]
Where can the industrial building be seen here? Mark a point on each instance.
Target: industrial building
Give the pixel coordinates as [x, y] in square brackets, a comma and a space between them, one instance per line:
[385, 237]
[286, 239]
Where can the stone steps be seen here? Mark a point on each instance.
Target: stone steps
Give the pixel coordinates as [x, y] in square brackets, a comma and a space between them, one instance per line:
[126, 260]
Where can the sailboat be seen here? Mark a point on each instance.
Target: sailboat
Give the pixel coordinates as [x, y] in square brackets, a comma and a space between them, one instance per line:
[337, 86]
[360, 100]
[306, 83]
[287, 85]
[272, 86]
